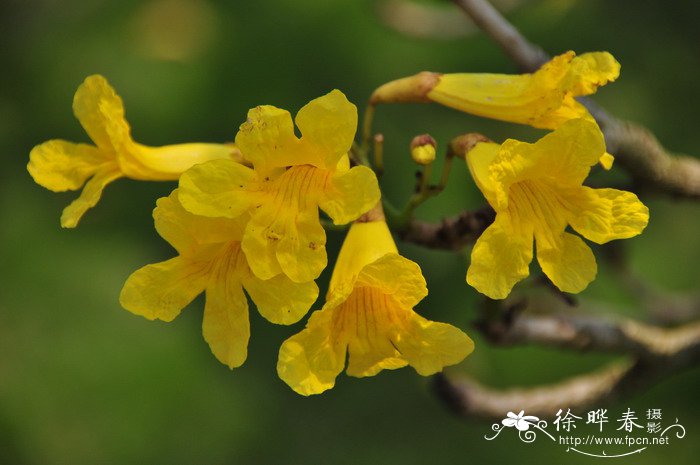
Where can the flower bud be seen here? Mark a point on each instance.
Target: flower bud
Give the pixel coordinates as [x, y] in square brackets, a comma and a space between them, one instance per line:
[461, 145]
[423, 149]
[412, 89]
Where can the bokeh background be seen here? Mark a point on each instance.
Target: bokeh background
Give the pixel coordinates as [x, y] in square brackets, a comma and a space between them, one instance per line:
[84, 382]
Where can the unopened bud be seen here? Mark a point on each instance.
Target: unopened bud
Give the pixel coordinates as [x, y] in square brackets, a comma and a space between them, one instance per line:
[413, 89]
[423, 149]
[461, 145]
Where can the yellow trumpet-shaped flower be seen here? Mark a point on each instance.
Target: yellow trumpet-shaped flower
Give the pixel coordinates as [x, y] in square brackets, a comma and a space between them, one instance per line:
[210, 260]
[544, 99]
[369, 315]
[291, 178]
[59, 165]
[536, 190]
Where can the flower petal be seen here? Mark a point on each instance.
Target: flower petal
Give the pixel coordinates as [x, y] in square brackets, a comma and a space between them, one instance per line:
[328, 124]
[590, 71]
[397, 277]
[217, 188]
[187, 232]
[569, 262]
[262, 233]
[567, 154]
[513, 98]
[479, 160]
[370, 356]
[602, 215]
[161, 290]
[562, 157]
[343, 165]
[280, 300]
[606, 161]
[501, 257]
[429, 346]
[60, 166]
[101, 112]
[350, 194]
[383, 333]
[309, 361]
[301, 251]
[225, 325]
[268, 141]
[569, 109]
[89, 196]
[366, 321]
[365, 243]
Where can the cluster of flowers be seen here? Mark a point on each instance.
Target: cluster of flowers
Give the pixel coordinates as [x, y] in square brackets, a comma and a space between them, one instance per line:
[246, 216]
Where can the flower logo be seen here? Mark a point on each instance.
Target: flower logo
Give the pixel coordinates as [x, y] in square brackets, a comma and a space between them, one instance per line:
[520, 421]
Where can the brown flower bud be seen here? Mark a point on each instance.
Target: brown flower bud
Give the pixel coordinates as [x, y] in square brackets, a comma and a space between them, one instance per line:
[461, 145]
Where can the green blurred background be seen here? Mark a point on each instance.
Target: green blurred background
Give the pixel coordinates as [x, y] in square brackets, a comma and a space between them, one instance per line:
[84, 382]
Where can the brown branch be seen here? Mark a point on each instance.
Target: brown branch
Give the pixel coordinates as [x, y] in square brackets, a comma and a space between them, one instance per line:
[469, 398]
[654, 353]
[592, 333]
[527, 56]
[451, 233]
[635, 147]
[675, 351]
[640, 153]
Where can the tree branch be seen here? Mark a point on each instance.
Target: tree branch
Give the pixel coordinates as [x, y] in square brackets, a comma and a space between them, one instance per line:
[527, 56]
[468, 398]
[451, 233]
[653, 353]
[660, 353]
[592, 333]
[640, 153]
[635, 147]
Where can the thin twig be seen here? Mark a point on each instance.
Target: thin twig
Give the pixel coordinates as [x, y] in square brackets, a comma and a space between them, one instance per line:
[635, 147]
[451, 233]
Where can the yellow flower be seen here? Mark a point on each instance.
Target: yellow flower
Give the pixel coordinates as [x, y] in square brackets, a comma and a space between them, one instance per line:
[544, 99]
[536, 190]
[369, 314]
[210, 260]
[292, 177]
[59, 165]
